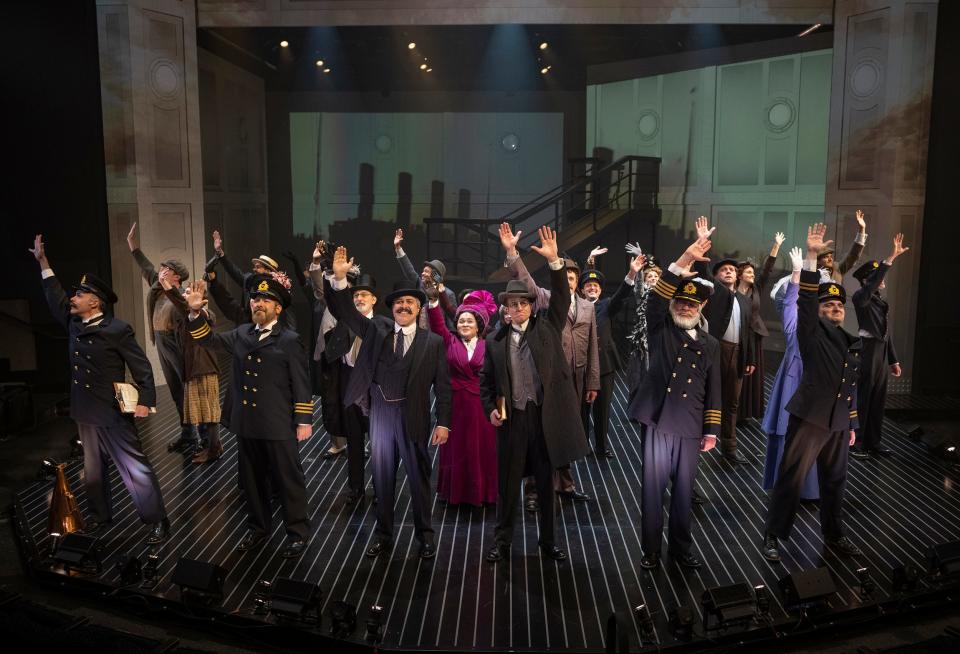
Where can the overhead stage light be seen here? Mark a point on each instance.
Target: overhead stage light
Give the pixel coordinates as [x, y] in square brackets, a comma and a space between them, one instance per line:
[544, 46]
[284, 44]
[429, 70]
[545, 70]
[319, 63]
[411, 45]
[326, 71]
[423, 66]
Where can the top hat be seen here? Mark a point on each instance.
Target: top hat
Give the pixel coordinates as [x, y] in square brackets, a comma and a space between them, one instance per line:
[400, 289]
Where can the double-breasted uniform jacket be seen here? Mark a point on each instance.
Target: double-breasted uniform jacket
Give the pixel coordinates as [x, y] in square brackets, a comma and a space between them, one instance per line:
[827, 393]
[269, 385]
[428, 367]
[560, 411]
[872, 310]
[606, 308]
[98, 355]
[680, 393]
[579, 340]
[718, 311]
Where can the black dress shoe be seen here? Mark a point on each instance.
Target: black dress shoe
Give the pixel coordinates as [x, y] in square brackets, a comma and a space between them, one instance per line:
[576, 496]
[159, 533]
[498, 552]
[771, 548]
[179, 444]
[698, 497]
[553, 552]
[428, 550]
[92, 527]
[294, 548]
[532, 505]
[251, 541]
[734, 457]
[844, 545]
[859, 453]
[379, 546]
[882, 451]
[688, 560]
[353, 496]
[329, 455]
[650, 561]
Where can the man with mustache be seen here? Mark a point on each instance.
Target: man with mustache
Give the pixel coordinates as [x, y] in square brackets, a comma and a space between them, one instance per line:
[100, 348]
[878, 351]
[271, 409]
[678, 404]
[395, 368]
[823, 410]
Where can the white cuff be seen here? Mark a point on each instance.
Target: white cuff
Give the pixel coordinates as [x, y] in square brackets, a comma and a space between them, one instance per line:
[193, 315]
[556, 265]
[400, 253]
[433, 304]
[511, 258]
[46, 272]
[338, 284]
[629, 280]
[861, 238]
[675, 269]
[314, 266]
[810, 264]
[710, 436]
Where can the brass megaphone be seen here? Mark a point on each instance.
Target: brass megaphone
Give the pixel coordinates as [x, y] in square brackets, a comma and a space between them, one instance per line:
[65, 515]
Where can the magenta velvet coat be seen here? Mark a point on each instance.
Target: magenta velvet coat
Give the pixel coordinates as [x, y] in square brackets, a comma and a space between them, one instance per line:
[468, 460]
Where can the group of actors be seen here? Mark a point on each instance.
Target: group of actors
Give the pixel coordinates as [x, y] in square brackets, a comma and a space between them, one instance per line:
[507, 387]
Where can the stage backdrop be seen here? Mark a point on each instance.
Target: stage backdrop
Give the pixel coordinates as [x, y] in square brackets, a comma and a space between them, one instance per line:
[479, 165]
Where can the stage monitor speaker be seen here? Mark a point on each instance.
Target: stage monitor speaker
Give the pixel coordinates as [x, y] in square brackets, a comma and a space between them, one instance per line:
[295, 599]
[808, 586]
[945, 558]
[727, 604]
[199, 576]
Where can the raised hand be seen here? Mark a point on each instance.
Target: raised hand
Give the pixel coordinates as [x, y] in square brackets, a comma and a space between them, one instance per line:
[132, 241]
[696, 251]
[861, 221]
[796, 259]
[779, 238]
[815, 242]
[633, 249]
[397, 239]
[703, 227]
[637, 264]
[195, 295]
[341, 264]
[319, 250]
[38, 251]
[217, 242]
[596, 252]
[898, 248]
[431, 290]
[548, 245]
[164, 278]
[509, 240]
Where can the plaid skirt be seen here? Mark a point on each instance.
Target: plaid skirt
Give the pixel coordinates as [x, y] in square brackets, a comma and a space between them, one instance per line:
[202, 400]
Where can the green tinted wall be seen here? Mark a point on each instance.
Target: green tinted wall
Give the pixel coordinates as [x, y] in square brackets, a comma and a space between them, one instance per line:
[502, 159]
[745, 144]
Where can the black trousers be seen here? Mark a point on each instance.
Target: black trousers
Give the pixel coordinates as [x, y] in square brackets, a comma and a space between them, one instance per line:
[600, 410]
[121, 444]
[668, 458]
[730, 383]
[805, 444]
[355, 425]
[521, 449]
[264, 464]
[170, 351]
[874, 373]
[388, 440]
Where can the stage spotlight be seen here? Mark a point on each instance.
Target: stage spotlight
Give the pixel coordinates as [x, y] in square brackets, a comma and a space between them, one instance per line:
[375, 624]
[76, 448]
[810, 29]
[681, 621]
[47, 469]
[296, 600]
[429, 70]
[411, 45]
[945, 559]
[728, 605]
[545, 70]
[319, 63]
[544, 46]
[867, 585]
[129, 568]
[326, 71]
[906, 577]
[151, 570]
[77, 552]
[423, 66]
[763, 600]
[284, 44]
[343, 619]
[644, 621]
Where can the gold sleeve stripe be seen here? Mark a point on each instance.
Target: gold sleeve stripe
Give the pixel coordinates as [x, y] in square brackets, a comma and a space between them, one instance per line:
[809, 287]
[663, 286]
[665, 296]
[711, 422]
[308, 405]
[303, 411]
[200, 333]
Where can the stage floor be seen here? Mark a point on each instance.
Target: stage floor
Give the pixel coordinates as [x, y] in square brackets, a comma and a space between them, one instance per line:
[896, 508]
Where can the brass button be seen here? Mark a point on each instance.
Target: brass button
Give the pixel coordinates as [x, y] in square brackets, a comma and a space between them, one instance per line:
[258, 359]
[255, 375]
[244, 401]
[89, 342]
[689, 380]
[254, 389]
[249, 356]
[669, 389]
[88, 357]
[684, 395]
[693, 365]
[75, 381]
[679, 359]
[76, 354]
[848, 398]
[844, 365]
[843, 379]
[78, 368]
[89, 371]
[254, 404]
[87, 385]
[244, 388]
[674, 374]
[838, 395]
[698, 351]
[684, 345]
[246, 372]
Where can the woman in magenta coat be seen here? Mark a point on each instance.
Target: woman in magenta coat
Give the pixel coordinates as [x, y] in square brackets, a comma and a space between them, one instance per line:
[468, 460]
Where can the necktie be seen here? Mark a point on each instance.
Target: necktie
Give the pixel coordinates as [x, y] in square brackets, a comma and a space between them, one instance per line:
[262, 333]
[398, 345]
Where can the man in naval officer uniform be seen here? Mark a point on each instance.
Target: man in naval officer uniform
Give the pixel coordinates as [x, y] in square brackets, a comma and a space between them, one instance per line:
[271, 409]
[823, 410]
[879, 354]
[678, 403]
[100, 347]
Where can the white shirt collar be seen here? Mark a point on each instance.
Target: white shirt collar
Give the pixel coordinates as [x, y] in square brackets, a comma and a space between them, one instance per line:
[522, 327]
[92, 318]
[265, 327]
[409, 330]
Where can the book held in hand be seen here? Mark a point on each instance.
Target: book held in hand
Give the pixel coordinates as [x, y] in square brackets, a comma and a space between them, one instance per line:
[127, 397]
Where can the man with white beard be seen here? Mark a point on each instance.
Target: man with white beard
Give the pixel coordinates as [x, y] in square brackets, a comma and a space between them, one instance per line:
[678, 404]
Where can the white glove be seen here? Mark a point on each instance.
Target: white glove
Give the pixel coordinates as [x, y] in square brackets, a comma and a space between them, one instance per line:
[633, 249]
[796, 259]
